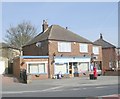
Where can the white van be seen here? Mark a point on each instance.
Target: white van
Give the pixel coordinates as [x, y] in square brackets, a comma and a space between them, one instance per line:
[99, 71]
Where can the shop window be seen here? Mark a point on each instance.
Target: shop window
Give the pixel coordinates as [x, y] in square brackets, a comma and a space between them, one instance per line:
[83, 67]
[63, 68]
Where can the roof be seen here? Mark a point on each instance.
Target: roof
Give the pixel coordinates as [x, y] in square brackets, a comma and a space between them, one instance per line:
[56, 32]
[104, 43]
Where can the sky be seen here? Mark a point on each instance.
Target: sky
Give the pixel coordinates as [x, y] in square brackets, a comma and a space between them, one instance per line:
[87, 19]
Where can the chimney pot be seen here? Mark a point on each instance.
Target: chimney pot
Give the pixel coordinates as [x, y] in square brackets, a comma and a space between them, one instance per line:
[44, 25]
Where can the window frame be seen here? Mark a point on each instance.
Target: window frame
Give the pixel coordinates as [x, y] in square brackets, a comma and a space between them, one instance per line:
[98, 52]
[38, 64]
[64, 48]
[81, 50]
[65, 66]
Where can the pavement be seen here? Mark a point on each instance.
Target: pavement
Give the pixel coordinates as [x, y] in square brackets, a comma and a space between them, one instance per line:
[74, 81]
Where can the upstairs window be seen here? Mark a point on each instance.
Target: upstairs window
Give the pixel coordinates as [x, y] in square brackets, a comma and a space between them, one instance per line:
[83, 48]
[64, 47]
[95, 49]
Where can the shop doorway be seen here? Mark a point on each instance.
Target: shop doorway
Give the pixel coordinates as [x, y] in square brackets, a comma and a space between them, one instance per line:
[72, 68]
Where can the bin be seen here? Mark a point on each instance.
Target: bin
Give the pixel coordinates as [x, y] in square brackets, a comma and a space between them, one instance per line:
[91, 76]
[57, 76]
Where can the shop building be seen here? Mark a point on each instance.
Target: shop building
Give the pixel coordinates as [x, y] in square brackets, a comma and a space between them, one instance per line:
[68, 52]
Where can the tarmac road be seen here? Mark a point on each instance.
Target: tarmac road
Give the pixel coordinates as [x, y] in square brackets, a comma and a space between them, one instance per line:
[72, 87]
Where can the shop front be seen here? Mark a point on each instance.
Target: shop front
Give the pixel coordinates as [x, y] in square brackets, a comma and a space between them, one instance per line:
[71, 66]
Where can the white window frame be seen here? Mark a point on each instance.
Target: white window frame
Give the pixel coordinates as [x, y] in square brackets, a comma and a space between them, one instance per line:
[64, 46]
[45, 67]
[64, 66]
[96, 50]
[82, 48]
[81, 69]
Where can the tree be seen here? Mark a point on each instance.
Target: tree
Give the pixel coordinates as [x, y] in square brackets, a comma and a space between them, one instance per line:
[19, 36]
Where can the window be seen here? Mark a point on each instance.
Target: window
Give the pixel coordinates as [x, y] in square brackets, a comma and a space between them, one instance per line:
[64, 47]
[63, 68]
[95, 49]
[37, 68]
[83, 67]
[84, 48]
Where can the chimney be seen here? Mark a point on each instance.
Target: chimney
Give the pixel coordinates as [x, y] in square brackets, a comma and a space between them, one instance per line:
[101, 37]
[44, 25]
[66, 28]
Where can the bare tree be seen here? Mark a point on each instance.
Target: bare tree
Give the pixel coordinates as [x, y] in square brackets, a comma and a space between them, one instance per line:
[19, 36]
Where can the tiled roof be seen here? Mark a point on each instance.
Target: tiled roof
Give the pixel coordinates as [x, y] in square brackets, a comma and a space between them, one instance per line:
[56, 32]
[104, 43]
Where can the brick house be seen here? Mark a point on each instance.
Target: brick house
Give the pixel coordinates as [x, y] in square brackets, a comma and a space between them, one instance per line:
[7, 53]
[68, 52]
[108, 53]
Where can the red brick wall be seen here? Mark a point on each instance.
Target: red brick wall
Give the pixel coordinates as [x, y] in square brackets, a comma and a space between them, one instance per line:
[33, 50]
[109, 54]
[16, 67]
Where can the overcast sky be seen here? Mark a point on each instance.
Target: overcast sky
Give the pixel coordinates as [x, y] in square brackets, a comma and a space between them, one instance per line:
[87, 19]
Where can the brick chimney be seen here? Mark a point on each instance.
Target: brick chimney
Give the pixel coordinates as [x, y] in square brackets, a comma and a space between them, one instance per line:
[44, 25]
[101, 37]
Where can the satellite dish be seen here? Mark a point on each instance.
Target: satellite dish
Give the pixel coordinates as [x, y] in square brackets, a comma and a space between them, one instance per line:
[38, 44]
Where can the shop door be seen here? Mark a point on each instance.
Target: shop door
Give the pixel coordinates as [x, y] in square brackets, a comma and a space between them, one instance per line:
[70, 69]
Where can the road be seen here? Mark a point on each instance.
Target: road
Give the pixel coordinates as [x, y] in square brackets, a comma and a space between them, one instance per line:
[62, 91]
[72, 87]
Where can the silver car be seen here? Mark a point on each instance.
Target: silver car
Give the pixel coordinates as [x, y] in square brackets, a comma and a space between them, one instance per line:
[99, 71]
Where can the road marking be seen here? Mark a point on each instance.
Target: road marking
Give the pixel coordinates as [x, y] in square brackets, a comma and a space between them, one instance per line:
[52, 88]
[84, 88]
[20, 92]
[99, 87]
[75, 89]
[114, 95]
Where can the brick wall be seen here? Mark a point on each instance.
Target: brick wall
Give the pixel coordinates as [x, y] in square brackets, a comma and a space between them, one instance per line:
[109, 54]
[33, 50]
[16, 67]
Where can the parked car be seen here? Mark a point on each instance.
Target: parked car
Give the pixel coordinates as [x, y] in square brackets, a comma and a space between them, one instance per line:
[99, 71]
